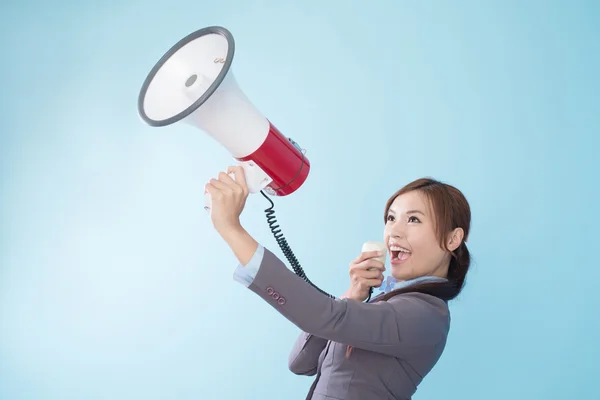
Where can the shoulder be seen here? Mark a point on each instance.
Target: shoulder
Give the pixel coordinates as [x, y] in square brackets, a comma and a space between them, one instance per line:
[422, 317]
[420, 301]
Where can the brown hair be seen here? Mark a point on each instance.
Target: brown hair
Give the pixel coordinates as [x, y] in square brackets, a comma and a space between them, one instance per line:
[451, 211]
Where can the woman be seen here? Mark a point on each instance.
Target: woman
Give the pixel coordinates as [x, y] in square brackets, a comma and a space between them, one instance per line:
[360, 351]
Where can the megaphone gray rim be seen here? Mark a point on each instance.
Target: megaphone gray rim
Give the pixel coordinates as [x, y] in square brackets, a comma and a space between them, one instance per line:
[211, 89]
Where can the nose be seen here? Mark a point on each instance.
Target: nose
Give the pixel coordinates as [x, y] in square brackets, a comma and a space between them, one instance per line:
[397, 233]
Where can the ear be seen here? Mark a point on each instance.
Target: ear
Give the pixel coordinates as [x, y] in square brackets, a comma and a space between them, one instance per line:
[455, 238]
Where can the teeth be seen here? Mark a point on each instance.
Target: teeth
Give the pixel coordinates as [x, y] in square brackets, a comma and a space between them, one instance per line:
[398, 248]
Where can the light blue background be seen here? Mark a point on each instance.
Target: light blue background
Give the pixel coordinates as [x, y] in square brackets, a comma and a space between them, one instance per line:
[113, 284]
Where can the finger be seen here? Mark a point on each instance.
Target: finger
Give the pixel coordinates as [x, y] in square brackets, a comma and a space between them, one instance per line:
[220, 186]
[369, 274]
[365, 255]
[362, 275]
[361, 279]
[370, 264]
[226, 179]
[240, 175]
[235, 179]
[214, 192]
[372, 282]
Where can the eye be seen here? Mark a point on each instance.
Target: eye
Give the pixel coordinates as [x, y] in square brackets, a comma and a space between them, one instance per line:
[413, 219]
[390, 218]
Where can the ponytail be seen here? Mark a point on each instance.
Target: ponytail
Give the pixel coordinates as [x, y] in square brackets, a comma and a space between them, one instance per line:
[457, 273]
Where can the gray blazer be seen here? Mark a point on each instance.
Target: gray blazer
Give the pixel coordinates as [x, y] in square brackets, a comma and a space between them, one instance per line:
[395, 343]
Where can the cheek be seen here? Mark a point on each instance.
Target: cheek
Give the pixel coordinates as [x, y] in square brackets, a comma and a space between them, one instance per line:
[424, 244]
[386, 233]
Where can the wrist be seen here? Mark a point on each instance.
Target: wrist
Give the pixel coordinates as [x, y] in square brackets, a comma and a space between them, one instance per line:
[232, 232]
[240, 242]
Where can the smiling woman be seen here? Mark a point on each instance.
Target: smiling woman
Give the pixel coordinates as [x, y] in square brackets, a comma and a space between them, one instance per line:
[425, 223]
[381, 349]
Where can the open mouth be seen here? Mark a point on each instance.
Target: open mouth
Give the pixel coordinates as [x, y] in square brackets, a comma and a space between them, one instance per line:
[399, 254]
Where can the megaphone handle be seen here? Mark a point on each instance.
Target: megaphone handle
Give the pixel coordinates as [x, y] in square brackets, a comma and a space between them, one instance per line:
[256, 179]
[208, 199]
[207, 202]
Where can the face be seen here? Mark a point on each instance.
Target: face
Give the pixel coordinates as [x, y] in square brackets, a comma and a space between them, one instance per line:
[410, 235]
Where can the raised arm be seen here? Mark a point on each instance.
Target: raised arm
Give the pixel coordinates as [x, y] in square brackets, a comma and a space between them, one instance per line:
[304, 356]
[392, 327]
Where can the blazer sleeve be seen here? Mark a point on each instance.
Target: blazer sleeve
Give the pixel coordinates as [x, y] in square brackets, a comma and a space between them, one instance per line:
[304, 357]
[393, 327]
[245, 274]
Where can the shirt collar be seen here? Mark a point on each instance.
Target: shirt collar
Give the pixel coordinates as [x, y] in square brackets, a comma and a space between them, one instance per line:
[392, 284]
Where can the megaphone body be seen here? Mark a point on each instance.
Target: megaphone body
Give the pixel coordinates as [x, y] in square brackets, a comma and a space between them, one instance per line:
[193, 83]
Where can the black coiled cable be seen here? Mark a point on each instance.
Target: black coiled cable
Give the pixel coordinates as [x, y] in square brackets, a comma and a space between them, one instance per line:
[287, 251]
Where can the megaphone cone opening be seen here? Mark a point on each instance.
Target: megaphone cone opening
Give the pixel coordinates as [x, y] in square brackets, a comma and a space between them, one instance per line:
[193, 82]
[190, 75]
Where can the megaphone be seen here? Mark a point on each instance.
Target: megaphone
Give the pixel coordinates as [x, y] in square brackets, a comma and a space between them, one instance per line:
[193, 82]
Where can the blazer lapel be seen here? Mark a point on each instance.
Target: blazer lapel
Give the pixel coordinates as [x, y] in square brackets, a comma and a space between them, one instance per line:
[314, 384]
[376, 297]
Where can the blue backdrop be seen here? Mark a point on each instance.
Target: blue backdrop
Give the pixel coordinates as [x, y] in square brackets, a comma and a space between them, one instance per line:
[113, 284]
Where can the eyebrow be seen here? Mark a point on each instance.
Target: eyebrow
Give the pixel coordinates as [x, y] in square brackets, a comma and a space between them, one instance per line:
[409, 212]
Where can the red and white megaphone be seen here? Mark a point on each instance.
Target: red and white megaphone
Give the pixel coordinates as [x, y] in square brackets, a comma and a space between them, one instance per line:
[193, 83]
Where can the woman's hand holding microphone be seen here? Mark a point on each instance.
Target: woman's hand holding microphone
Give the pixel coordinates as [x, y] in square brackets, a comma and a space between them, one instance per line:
[366, 271]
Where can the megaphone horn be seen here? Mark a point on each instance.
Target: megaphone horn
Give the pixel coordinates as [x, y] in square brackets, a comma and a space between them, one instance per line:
[193, 83]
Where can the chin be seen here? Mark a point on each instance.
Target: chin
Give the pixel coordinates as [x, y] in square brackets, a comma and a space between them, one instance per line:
[405, 271]
[400, 275]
